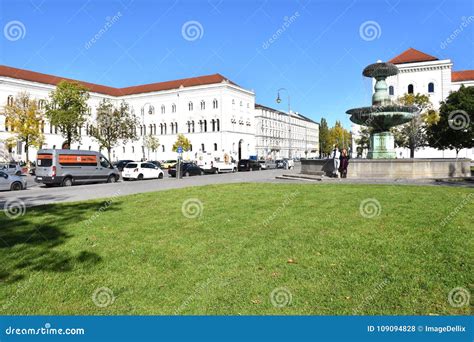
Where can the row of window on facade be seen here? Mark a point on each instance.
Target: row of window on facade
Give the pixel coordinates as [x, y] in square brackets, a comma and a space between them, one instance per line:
[411, 89]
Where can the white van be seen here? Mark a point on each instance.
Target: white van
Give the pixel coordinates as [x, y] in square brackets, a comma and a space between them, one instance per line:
[69, 167]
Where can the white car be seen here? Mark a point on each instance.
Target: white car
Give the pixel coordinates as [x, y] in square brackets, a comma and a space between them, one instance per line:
[12, 182]
[141, 170]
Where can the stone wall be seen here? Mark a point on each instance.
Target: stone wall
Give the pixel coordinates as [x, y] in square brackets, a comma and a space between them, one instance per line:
[393, 168]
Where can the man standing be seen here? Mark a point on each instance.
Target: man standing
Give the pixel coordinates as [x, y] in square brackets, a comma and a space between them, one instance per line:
[335, 158]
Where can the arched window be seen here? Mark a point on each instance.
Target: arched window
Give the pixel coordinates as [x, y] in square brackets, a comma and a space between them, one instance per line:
[10, 100]
[151, 110]
[164, 127]
[391, 91]
[213, 123]
[192, 126]
[173, 108]
[161, 128]
[205, 125]
[215, 104]
[6, 124]
[218, 125]
[190, 148]
[203, 105]
[189, 126]
[201, 125]
[215, 147]
[190, 106]
[163, 148]
[41, 104]
[431, 87]
[163, 109]
[151, 129]
[176, 128]
[202, 148]
[154, 129]
[410, 89]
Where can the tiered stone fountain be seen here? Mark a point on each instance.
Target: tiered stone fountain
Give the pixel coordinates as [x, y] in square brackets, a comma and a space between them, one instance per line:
[381, 160]
[383, 114]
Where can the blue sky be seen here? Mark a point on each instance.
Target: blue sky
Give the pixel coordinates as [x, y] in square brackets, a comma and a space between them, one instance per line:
[318, 57]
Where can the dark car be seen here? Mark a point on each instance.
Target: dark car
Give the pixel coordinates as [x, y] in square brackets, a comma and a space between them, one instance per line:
[121, 164]
[280, 164]
[187, 169]
[248, 165]
[156, 163]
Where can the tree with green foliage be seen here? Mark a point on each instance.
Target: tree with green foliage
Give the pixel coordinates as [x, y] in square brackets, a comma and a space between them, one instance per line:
[455, 127]
[412, 135]
[67, 109]
[151, 143]
[25, 121]
[324, 143]
[113, 125]
[363, 142]
[183, 142]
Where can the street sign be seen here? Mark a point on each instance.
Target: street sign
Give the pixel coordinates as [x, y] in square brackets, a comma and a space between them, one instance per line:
[180, 150]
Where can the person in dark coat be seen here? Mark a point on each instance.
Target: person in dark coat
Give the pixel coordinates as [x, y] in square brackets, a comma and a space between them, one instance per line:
[343, 163]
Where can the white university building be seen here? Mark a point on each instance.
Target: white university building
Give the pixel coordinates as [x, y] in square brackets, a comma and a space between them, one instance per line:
[217, 116]
[427, 75]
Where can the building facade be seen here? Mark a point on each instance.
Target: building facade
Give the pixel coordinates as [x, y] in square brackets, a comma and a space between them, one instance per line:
[280, 135]
[427, 75]
[215, 114]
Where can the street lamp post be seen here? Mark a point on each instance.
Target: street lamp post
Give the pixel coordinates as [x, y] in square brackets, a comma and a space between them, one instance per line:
[278, 100]
[150, 111]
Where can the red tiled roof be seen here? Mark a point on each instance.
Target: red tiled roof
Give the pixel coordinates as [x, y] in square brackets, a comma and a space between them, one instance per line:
[32, 76]
[464, 75]
[411, 56]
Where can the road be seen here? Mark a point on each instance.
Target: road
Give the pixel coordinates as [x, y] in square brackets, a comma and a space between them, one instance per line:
[38, 194]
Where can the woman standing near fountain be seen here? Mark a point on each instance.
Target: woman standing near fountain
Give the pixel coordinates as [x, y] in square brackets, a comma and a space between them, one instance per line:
[343, 163]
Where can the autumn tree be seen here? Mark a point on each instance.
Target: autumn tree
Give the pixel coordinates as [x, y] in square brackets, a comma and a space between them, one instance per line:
[25, 122]
[183, 142]
[67, 109]
[455, 127]
[339, 136]
[363, 141]
[113, 125]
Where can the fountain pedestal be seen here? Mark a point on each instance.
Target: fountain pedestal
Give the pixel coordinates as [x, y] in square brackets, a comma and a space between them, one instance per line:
[382, 146]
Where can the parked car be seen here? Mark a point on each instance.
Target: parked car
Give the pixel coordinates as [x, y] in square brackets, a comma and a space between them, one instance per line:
[12, 182]
[157, 163]
[270, 164]
[263, 164]
[248, 165]
[32, 169]
[11, 168]
[218, 167]
[141, 170]
[69, 167]
[166, 164]
[280, 164]
[290, 163]
[187, 169]
[121, 164]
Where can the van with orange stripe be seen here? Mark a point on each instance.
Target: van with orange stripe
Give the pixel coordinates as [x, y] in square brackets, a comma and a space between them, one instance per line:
[69, 167]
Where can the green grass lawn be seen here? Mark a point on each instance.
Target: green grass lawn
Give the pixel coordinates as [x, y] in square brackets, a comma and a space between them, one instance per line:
[307, 243]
